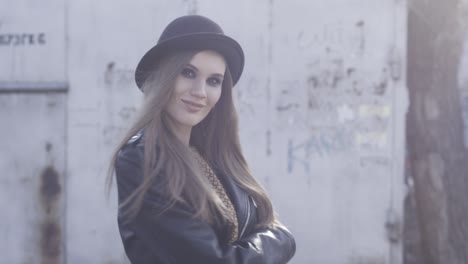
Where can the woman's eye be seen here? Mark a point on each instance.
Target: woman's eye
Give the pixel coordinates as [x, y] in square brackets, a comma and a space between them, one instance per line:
[214, 81]
[188, 73]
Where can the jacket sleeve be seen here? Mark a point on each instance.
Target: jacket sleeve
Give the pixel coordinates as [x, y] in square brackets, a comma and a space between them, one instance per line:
[176, 237]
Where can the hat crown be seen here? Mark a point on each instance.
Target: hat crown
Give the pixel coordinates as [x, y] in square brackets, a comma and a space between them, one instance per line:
[192, 32]
[191, 24]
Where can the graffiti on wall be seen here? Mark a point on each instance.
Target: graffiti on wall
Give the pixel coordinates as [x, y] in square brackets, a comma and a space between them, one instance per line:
[249, 96]
[344, 35]
[333, 75]
[322, 143]
[374, 163]
[117, 75]
[22, 39]
[344, 94]
[352, 117]
[330, 83]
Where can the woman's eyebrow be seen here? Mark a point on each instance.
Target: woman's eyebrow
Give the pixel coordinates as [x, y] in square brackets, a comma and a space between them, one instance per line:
[218, 75]
[192, 66]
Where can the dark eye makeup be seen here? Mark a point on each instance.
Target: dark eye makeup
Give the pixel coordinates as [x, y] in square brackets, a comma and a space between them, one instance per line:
[190, 73]
[214, 81]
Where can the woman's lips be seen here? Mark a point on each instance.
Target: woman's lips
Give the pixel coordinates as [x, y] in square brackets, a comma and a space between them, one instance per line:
[192, 106]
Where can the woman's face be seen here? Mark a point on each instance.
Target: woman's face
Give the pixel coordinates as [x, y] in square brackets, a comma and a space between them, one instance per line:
[196, 89]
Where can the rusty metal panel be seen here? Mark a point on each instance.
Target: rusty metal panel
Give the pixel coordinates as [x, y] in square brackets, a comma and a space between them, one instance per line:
[32, 167]
[32, 41]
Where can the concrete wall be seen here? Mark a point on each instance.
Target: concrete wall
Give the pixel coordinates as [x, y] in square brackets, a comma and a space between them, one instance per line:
[321, 102]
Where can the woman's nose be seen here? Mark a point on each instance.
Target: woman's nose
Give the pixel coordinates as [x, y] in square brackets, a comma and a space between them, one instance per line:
[199, 89]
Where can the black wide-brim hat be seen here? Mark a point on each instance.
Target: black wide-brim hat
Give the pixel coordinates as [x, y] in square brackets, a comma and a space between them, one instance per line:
[192, 32]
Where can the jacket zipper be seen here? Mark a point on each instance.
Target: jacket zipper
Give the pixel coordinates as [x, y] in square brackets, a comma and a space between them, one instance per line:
[248, 216]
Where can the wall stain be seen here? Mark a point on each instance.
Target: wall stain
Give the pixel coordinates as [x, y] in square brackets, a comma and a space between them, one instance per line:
[50, 187]
[50, 229]
[127, 112]
[48, 147]
[118, 76]
[287, 107]
[50, 241]
[192, 7]
[360, 25]
[108, 73]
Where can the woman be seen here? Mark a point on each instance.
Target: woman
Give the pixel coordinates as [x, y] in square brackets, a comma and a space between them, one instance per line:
[186, 194]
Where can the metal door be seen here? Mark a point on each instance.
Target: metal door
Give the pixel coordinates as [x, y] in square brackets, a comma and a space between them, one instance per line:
[32, 169]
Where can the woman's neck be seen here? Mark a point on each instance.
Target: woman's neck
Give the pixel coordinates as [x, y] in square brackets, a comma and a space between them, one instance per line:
[182, 132]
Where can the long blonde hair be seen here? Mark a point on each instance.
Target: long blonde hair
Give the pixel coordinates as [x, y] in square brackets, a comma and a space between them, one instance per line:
[171, 163]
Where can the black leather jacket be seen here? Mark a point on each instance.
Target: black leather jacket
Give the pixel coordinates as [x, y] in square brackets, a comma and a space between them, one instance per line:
[176, 237]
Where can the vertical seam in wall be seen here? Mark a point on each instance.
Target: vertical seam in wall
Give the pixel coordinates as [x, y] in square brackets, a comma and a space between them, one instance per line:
[392, 86]
[66, 39]
[396, 137]
[394, 94]
[65, 180]
[194, 10]
[269, 75]
[270, 50]
[65, 133]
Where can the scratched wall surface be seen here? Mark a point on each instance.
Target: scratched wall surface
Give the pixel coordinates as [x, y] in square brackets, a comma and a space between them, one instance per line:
[32, 169]
[329, 126]
[32, 43]
[321, 104]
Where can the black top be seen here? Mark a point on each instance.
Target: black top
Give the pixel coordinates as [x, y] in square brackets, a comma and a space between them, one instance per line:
[176, 237]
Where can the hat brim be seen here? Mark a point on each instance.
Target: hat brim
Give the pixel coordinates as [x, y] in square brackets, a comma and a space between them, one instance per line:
[226, 46]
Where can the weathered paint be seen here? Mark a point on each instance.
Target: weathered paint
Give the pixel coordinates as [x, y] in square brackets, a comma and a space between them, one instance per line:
[32, 166]
[51, 231]
[32, 43]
